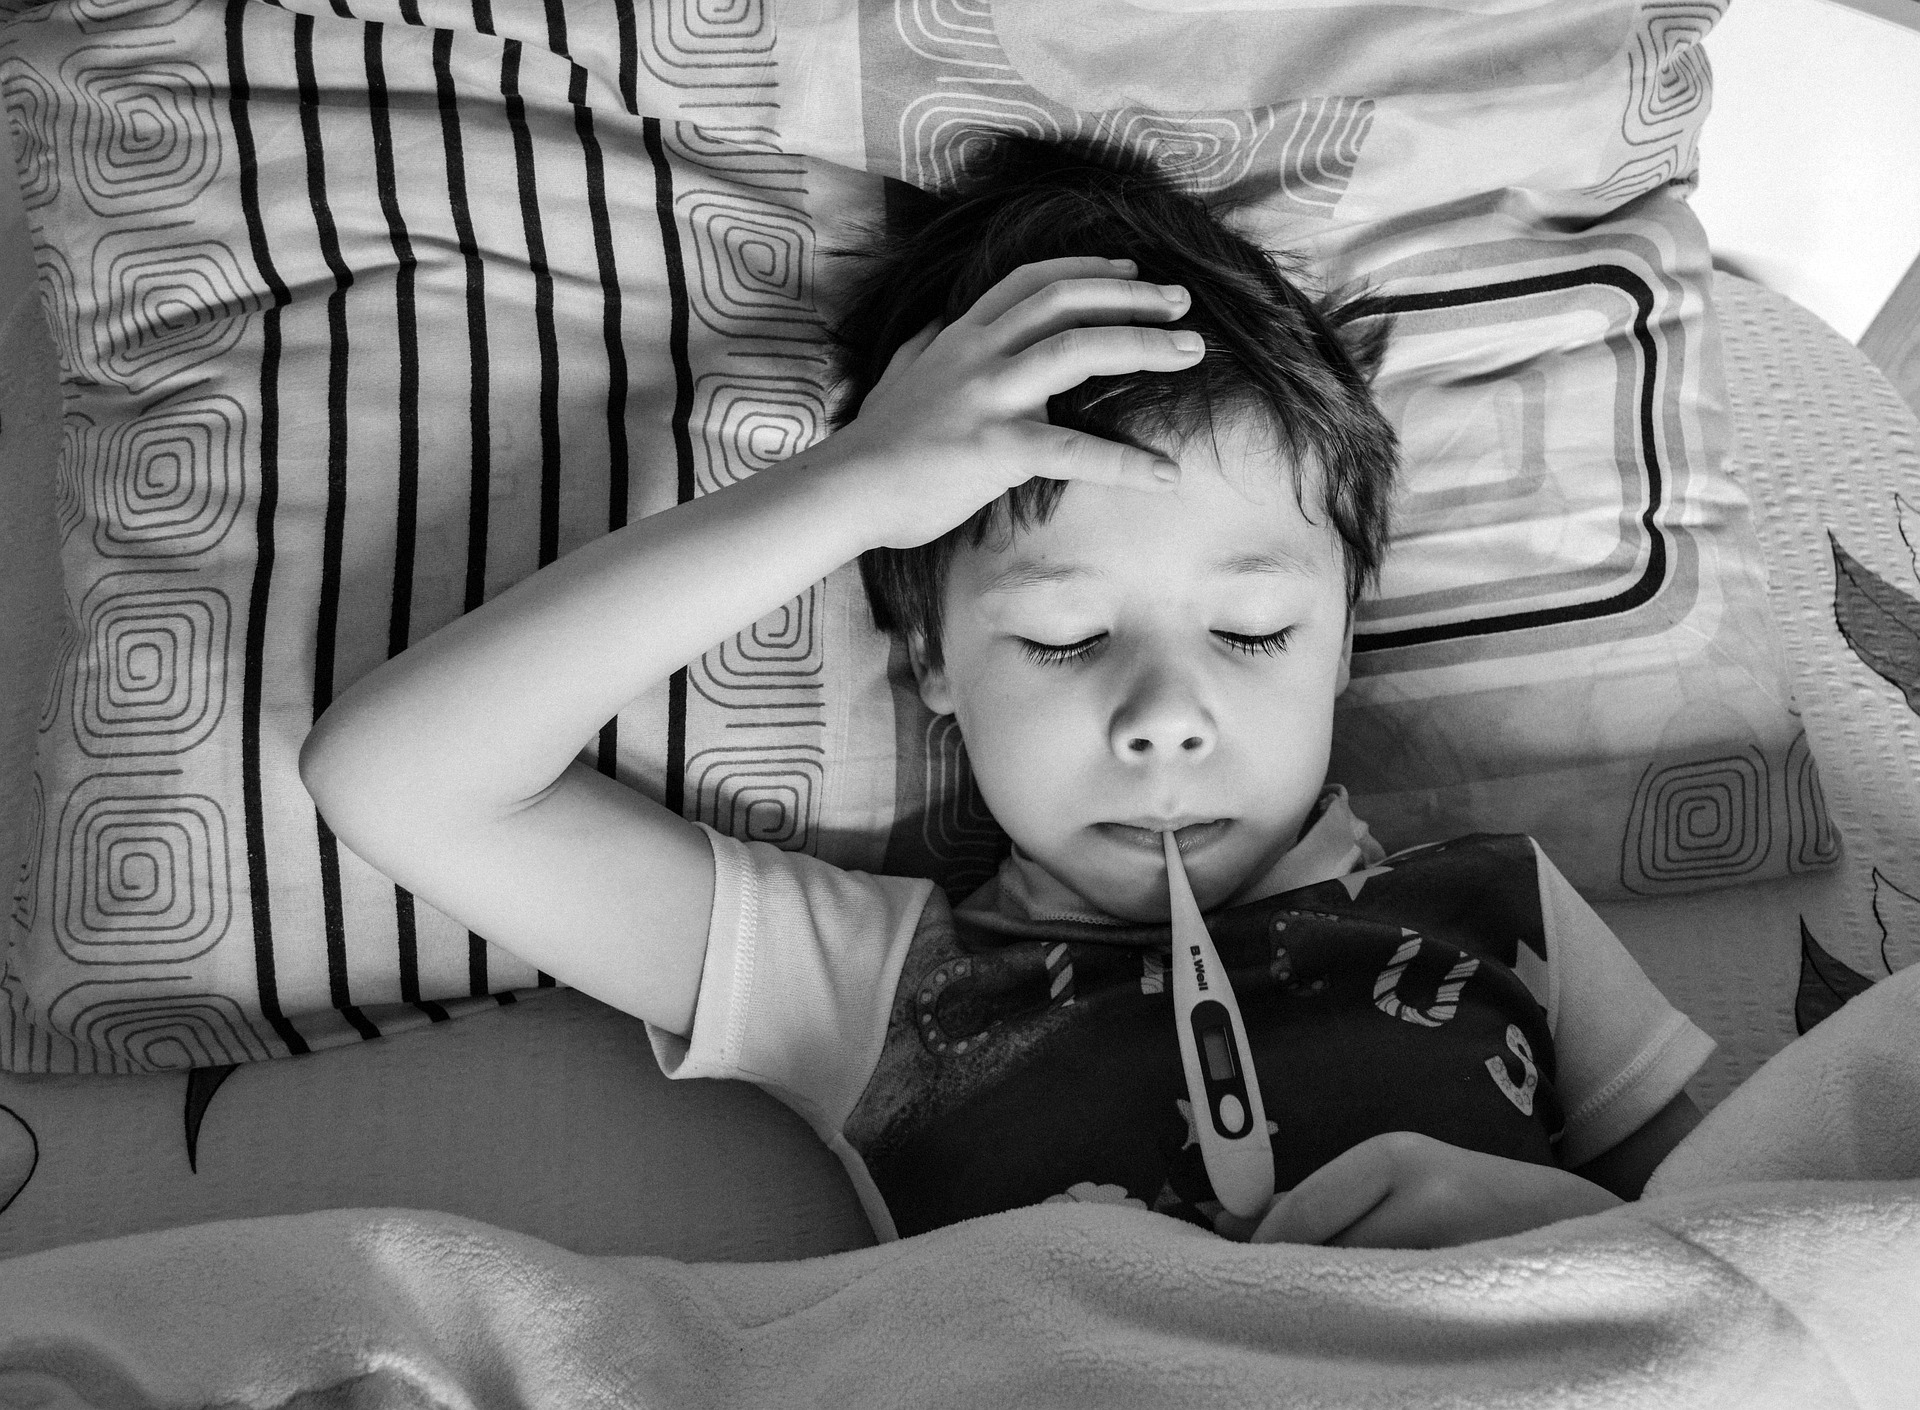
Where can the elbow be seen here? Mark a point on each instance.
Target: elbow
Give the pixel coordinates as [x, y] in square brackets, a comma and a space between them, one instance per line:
[319, 758]
[356, 792]
[372, 786]
[331, 771]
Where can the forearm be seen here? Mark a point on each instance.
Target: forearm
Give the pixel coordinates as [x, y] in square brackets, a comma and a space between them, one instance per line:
[481, 718]
[487, 712]
[1625, 1169]
[1406, 1190]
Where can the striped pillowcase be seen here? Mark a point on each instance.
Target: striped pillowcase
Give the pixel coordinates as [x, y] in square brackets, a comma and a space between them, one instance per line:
[361, 323]
[366, 310]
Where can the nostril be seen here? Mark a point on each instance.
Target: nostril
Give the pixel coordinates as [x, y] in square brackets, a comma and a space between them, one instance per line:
[1139, 746]
[1192, 741]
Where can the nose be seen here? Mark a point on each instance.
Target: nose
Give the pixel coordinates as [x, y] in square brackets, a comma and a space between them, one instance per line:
[1161, 719]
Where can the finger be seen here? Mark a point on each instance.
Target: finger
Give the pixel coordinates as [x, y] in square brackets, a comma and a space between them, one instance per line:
[1407, 1219]
[1337, 1196]
[1061, 454]
[1029, 279]
[1085, 302]
[1464, 1196]
[1239, 1228]
[1067, 359]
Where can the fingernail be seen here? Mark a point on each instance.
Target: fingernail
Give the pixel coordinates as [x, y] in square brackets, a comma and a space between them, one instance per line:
[1123, 264]
[1173, 293]
[1166, 471]
[1189, 342]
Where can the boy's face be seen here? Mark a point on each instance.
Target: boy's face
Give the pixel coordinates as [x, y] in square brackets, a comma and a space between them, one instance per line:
[1176, 703]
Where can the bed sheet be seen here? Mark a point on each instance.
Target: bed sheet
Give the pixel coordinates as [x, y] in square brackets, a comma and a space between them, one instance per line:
[1825, 448]
[548, 1117]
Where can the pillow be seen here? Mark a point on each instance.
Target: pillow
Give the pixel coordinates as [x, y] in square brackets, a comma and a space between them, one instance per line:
[1573, 634]
[1572, 637]
[363, 319]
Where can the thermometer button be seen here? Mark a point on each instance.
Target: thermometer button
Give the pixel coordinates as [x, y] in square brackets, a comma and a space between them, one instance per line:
[1233, 1115]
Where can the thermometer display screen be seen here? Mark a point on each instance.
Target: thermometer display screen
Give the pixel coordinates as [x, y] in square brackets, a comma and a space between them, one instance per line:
[1219, 1054]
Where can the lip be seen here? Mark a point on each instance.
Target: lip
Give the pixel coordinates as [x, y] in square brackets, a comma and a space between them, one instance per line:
[1145, 834]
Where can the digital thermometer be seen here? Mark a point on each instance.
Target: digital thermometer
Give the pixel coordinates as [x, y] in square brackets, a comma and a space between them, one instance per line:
[1228, 1117]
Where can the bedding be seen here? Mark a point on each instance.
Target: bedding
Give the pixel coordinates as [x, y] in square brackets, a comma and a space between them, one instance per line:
[1799, 1293]
[1830, 455]
[548, 1116]
[1778, 1297]
[365, 312]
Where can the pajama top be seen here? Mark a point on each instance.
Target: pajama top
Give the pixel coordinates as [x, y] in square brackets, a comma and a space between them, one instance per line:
[965, 1060]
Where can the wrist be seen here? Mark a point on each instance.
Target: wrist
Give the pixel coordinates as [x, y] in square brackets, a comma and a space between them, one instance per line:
[858, 487]
[892, 495]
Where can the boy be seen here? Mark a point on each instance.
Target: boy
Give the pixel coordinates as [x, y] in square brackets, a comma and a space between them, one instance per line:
[1121, 526]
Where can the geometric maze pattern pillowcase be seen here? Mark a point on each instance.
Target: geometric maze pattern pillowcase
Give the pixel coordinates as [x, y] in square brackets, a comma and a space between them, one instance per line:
[1572, 637]
[1572, 634]
[364, 318]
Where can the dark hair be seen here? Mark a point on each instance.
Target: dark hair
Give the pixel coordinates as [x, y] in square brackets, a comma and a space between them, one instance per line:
[1296, 362]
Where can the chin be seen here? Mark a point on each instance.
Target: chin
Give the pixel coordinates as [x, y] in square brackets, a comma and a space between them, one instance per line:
[1129, 899]
[1148, 910]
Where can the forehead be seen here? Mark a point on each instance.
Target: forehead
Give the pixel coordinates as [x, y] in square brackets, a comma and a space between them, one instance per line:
[1241, 512]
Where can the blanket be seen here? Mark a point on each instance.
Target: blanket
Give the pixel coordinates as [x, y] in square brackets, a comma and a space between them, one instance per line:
[1796, 1292]
[1791, 1295]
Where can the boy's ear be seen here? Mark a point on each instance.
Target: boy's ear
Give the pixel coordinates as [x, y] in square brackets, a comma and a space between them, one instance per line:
[1346, 659]
[932, 680]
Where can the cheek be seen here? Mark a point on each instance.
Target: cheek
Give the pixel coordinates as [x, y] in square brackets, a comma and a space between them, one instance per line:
[1289, 729]
[1011, 717]
[1023, 735]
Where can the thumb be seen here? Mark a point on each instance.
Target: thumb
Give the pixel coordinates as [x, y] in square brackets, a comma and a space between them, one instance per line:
[1240, 1227]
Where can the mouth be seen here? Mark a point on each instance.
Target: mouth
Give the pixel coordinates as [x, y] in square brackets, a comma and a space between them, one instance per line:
[1145, 834]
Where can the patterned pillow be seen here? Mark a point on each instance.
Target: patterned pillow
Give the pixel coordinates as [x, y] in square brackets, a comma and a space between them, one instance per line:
[1572, 638]
[364, 316]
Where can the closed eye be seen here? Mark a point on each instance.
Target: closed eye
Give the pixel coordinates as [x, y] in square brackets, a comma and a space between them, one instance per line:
[1272, 644]
[1269, 644]
[1060, 655]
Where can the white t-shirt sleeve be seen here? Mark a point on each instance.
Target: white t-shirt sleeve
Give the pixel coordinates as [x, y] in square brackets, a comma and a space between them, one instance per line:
[798, 982]
[1623, 1051]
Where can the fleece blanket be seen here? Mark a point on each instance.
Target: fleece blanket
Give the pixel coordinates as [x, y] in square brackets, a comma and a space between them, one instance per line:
[1790, 1295]
[1796, 1291]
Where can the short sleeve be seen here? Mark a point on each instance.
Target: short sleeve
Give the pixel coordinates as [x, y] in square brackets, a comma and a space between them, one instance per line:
[1623, 1051]
[797, 986]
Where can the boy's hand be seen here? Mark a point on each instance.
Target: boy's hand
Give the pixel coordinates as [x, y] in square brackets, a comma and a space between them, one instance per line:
[960, 416]
[1405, 1190]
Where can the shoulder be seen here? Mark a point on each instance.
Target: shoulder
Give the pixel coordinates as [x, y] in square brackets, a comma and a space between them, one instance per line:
[1490, 883]
[1473, 853]
[767, 883]
[803, 961]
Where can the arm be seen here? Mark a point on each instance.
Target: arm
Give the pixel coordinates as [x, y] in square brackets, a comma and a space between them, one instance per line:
[450, 767]
[1625, 1168]
[1403, 1190]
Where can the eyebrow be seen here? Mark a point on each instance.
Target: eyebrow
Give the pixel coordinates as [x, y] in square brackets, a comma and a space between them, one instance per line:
[1025, 574]
[1281, 564]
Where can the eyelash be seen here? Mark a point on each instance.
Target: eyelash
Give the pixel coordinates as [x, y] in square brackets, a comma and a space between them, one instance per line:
[1272, 644]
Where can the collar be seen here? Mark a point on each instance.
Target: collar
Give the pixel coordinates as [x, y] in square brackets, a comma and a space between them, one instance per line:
[1332, 843]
